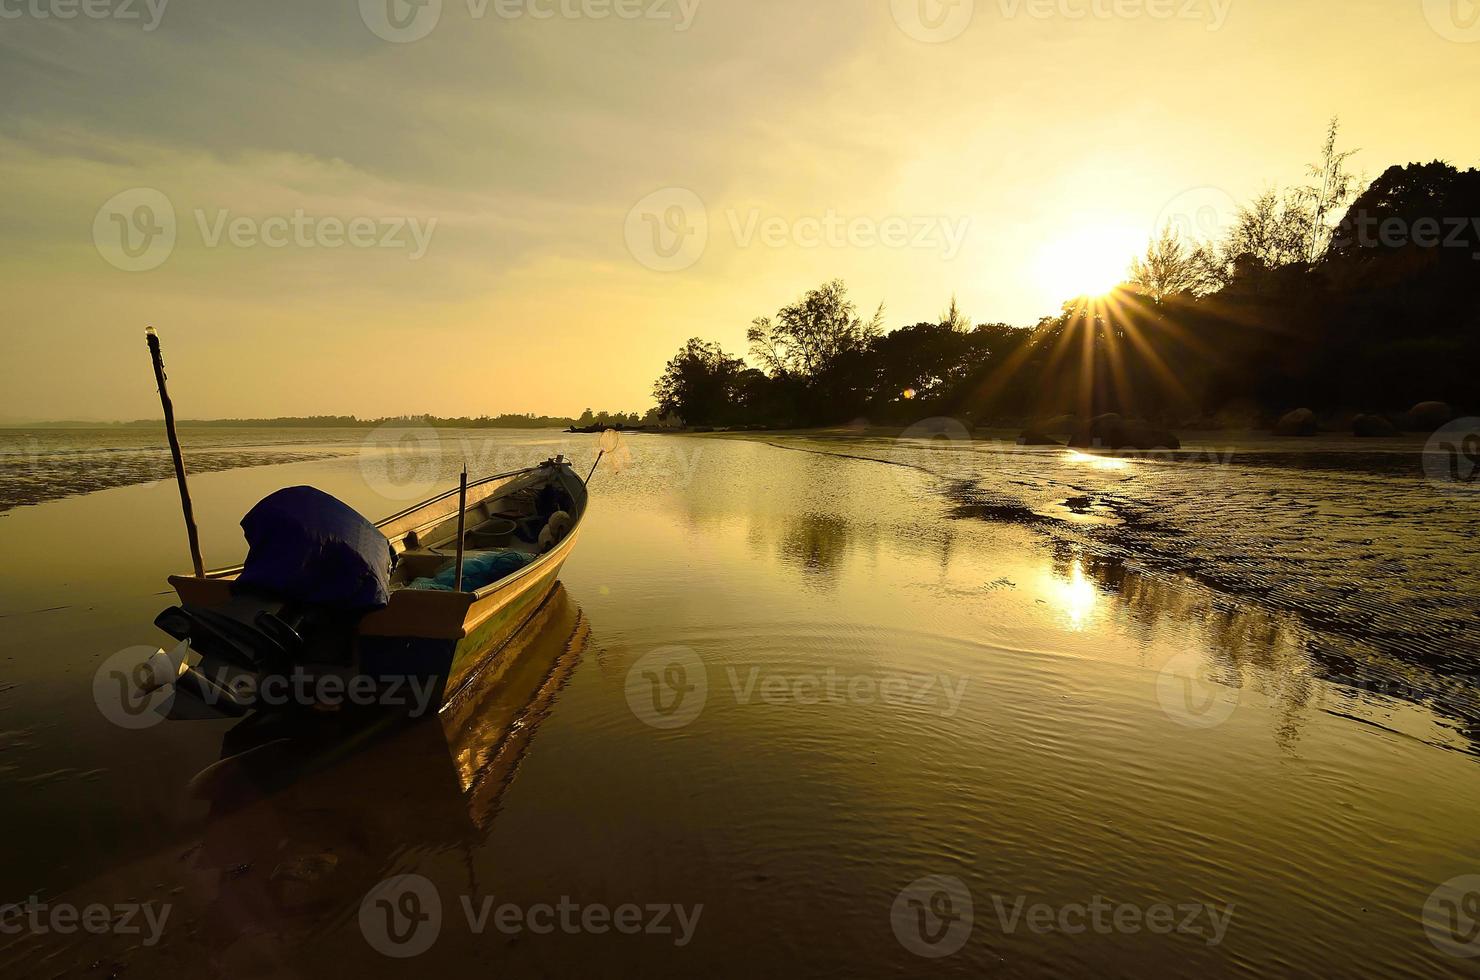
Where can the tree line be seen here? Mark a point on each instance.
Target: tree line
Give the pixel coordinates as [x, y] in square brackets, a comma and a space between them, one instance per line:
[1327, 294]
[504, 421]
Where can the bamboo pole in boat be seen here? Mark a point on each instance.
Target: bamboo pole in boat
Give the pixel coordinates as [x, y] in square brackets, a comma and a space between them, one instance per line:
[462, 513]
[152, 339]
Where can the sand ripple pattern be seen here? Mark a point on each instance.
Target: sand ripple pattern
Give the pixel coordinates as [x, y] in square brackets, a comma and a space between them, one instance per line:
[41, 465]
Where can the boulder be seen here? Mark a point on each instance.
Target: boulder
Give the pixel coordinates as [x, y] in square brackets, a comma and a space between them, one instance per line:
[1144, 436]
[1427, 416]
[1373, 426]
[1060, 425]
[1102, 431]
[1301, 422]
[1032, 437]
[1111, 431]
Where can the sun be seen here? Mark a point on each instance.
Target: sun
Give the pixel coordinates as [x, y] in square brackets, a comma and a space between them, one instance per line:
[1088, 261]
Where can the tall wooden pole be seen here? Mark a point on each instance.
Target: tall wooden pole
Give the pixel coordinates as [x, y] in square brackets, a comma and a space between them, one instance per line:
[462, 513]
[169, 427]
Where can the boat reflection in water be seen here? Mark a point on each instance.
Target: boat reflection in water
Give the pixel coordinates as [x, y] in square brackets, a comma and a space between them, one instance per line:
[301, 826]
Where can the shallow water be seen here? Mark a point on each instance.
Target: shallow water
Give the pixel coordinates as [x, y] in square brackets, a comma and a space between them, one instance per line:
[1059, 680]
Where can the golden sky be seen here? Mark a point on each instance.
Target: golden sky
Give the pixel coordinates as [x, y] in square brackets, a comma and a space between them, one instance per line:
[484, 206]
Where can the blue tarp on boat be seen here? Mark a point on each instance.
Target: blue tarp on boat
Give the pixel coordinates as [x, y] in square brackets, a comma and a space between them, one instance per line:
[306, 545]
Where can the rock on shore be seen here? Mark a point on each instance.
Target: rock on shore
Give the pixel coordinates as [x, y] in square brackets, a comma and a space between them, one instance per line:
[1301, 422]
[1111, 431]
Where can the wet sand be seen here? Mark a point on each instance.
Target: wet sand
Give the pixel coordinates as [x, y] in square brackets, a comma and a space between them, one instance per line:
[1351, 536]
[47, 464]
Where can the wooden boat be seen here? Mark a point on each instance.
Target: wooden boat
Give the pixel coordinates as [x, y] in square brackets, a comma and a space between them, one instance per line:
[243, 649]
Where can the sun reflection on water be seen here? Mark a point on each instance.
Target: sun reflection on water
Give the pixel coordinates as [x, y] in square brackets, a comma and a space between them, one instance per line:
[1074, 595]
[1098, 462]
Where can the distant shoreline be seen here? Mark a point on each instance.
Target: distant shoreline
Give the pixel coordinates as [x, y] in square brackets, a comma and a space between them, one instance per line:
[310, 422]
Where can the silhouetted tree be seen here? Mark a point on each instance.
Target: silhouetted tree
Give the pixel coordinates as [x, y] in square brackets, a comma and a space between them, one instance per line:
[1272, 230]
[1331, 189]
[808, 338]
[698, 384]
[1171, 267]
[1386, 315]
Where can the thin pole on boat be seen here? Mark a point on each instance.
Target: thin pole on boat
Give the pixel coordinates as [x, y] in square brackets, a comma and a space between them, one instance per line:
[462, 512]
[599, 453]
[152, 339]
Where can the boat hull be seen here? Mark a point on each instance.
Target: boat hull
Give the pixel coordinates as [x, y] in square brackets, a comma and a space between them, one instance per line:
[424, 645]
[447, 664]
